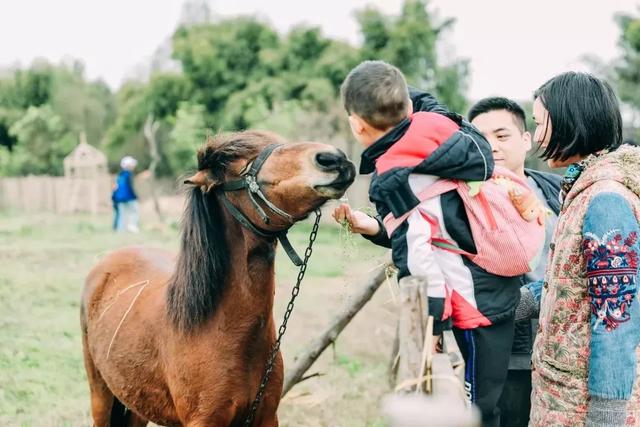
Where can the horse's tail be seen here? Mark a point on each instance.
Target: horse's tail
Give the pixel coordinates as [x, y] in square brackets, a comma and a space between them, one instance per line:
[120, 415]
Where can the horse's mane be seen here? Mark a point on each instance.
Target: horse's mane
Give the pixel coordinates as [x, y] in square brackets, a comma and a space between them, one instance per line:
[200, 278]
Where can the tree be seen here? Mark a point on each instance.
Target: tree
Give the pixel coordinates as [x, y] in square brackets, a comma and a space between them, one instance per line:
[239, 73]
[43, 140]
[161, 98]
[221, 59]
[409, 41]
[627, 68]
[33, 86]
[125, 135]
[187, 135]
[84, 106]
[22, 89]
[48, 102]
[164, 94]
[8, 116]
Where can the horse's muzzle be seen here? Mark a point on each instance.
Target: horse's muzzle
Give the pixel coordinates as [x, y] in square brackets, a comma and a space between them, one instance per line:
[346, 176]
[336, 161]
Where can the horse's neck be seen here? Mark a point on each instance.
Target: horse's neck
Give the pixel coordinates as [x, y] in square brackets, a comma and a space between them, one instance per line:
[222, 272]
[251, 269]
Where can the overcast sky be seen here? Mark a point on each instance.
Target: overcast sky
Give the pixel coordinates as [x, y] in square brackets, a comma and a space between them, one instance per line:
[513, 45]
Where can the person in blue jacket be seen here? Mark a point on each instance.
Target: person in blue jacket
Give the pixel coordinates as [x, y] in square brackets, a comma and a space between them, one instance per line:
[125, 200]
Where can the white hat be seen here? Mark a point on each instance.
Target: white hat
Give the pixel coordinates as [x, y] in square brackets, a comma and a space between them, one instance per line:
[128, 163]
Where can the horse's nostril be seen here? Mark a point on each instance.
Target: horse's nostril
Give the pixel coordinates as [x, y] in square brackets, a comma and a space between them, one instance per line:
[328, 160]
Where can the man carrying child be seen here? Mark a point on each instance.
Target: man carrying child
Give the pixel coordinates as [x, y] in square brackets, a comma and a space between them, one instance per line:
[412, 143]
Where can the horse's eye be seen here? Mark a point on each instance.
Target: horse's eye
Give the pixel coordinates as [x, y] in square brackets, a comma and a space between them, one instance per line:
[246, 169]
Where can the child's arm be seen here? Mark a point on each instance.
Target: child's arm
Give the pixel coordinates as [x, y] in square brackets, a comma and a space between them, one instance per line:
[424, 101]
[380, 238]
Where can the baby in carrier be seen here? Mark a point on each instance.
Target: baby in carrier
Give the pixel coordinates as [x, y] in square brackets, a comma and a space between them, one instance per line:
[504, 215]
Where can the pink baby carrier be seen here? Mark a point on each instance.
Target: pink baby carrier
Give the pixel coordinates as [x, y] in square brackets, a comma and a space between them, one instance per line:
[506, 219]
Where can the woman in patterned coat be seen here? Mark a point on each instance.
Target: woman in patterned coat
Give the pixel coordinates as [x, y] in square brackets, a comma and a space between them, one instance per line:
[585, 357]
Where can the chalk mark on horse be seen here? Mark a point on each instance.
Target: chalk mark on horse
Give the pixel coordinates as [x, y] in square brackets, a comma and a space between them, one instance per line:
[120, 292]
[144, 284]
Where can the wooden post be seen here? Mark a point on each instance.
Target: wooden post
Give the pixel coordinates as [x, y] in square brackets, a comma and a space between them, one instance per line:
[450, 347]
[421, 370]
[444, 381]
[317, 345]
[414, 313]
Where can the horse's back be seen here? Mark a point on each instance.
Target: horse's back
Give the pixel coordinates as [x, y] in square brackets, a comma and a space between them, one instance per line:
[115, 270]
[124, 273]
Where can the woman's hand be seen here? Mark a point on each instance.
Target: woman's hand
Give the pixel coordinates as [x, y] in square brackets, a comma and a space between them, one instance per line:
[360, 222]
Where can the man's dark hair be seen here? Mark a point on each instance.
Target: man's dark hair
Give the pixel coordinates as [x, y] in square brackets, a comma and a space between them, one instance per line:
[584, 113]
[496, 103]
[377, 92]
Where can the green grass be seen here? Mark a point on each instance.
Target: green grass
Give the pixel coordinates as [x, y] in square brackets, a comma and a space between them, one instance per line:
[43, 261]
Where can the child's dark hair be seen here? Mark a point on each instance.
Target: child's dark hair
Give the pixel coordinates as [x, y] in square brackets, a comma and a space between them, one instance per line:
[584, 113]
[497, 103]
[378, 93]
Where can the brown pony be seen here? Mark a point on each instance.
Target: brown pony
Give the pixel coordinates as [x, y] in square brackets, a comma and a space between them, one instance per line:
[183, 340]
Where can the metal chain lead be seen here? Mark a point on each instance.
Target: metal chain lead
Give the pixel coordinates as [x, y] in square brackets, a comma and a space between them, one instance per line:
[283, 327]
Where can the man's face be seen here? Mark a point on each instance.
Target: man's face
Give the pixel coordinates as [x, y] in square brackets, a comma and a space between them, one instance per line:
[508, 142]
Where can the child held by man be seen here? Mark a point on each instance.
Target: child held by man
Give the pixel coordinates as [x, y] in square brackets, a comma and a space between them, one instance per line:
[448, 214]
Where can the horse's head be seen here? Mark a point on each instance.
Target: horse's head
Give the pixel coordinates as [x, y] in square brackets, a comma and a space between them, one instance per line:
[271, 183]
[260, 182]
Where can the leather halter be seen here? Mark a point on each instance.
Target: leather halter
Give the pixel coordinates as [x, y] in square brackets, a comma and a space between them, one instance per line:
[249, 181]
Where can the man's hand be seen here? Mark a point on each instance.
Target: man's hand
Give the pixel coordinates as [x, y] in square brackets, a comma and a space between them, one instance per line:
[360, 222]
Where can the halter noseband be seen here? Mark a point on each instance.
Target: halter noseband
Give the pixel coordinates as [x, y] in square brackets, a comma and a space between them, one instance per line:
[250, 181]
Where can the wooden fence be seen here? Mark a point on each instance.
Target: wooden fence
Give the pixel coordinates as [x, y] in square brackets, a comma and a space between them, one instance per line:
[58, 194]
[55, 194]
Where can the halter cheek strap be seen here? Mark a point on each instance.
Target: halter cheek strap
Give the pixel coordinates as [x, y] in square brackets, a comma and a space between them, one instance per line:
[249, 181]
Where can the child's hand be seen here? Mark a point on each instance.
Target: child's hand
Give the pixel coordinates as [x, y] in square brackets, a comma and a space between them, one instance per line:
[360, 222]
[145, 174]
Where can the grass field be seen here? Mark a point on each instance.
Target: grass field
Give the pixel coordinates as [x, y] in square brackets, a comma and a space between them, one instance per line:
[43, 261]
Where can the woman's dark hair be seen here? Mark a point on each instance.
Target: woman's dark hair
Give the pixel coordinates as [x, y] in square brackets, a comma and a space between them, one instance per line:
[584, 113]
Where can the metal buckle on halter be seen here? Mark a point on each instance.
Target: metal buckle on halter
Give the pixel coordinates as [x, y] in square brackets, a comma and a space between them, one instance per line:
[252, 183]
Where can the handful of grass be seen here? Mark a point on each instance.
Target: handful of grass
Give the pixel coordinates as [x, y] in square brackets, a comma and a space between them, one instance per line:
[345, 235]
[346, 230]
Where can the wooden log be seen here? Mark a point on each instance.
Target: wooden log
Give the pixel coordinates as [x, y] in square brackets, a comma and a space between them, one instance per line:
[316, 346]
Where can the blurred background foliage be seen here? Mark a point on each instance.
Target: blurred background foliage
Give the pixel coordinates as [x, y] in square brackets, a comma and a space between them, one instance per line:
[232, 74]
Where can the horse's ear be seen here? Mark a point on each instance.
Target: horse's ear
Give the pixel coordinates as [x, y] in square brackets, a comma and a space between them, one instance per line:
[203, 179]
